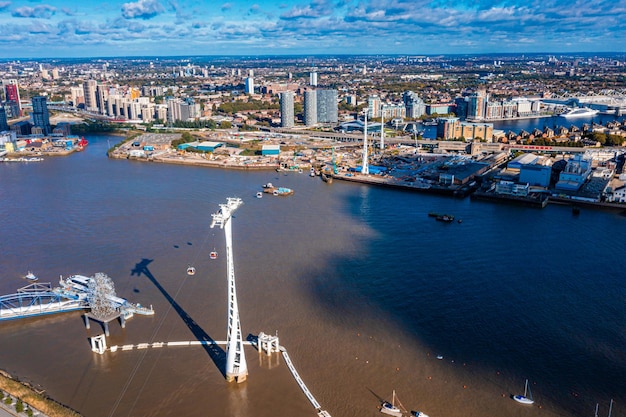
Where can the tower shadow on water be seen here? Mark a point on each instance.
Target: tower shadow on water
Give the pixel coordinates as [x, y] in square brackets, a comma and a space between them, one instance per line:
[216, 353]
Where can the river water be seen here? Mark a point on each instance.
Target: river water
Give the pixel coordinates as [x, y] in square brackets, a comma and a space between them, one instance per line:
[363, 288]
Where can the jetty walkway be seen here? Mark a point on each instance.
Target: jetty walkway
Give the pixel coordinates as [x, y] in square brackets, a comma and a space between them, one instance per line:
[98, 345]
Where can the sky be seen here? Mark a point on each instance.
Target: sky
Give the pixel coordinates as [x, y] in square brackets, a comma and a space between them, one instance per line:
[89, 28]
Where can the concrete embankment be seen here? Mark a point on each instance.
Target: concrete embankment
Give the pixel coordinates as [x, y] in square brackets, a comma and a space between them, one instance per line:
[412, 186]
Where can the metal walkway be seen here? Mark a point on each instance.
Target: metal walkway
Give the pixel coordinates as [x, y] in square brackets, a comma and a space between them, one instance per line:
[36, 300]
[73, 294]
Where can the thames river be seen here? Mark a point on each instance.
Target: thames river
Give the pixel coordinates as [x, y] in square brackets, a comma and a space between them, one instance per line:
[364, 289]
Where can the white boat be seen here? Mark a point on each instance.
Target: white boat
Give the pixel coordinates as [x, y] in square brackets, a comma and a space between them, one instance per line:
[579, 112]
[523, 399]
[30, 276]
[259, 194]
[390, 408]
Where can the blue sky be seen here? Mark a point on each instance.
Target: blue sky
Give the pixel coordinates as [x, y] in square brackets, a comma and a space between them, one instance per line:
[85, 28]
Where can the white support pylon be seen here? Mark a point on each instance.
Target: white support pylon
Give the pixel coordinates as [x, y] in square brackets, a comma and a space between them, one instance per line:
[236, 367]
[365, 170]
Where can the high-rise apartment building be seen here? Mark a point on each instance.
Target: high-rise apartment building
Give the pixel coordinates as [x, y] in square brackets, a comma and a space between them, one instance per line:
[327, 106]
[415, 106]
[313, 78]
[373, 106]
[102, 94]
[310, 107]
[286, 109]
[41, 117]
[78, 96]
[477, 105]
[89, 88]
[249, 85]
[12, 98]
[4, 124]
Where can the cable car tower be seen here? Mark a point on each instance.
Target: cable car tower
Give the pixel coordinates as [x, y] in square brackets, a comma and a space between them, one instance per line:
[236, 367]
[365, 167]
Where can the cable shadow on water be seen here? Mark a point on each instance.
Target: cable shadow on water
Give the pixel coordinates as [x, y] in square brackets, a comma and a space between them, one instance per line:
[216, 353]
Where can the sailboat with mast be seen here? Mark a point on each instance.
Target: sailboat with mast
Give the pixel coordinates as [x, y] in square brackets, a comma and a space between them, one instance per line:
[524, 399]
[390, 408]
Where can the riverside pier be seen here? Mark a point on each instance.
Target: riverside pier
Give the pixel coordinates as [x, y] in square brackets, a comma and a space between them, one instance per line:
[77, 292]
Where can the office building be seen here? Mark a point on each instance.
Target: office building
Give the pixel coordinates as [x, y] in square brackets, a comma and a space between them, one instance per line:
[327, 106]
[40, 115]
[286, 109]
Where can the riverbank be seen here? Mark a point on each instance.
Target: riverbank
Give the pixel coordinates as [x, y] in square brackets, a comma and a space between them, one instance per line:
[34, 399]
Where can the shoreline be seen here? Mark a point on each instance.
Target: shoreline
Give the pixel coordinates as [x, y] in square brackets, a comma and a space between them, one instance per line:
[36, 400]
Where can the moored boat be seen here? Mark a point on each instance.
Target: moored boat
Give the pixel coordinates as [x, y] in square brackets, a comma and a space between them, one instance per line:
[448, 218]
[82, 144]
[523, 399]
[282, 191]
[30, 276]
[390, 408]
[579, 112]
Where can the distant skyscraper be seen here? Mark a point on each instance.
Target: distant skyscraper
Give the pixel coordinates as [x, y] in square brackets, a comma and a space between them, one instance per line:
[41, 117]
[90, 95]
[310, 107]
[286, 109]
[249, 85]
[313, 78]
[327, 106]
[4, 125]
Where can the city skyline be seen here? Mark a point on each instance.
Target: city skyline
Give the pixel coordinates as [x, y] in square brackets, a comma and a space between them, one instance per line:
[59, 28]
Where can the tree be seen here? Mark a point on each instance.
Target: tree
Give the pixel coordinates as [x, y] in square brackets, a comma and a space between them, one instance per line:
[19, 406]
[187, 137]
[226, 124]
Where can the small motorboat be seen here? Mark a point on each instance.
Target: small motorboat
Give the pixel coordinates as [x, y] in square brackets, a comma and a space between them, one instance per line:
[30, 276]
[259, 194]
[191, 270]
[213, 255]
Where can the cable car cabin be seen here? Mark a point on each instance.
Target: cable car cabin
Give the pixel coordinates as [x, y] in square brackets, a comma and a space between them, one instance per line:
[213, 255]
[191, 270]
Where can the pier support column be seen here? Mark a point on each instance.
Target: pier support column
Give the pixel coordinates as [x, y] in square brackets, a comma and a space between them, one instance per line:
[268, 343]
[87, 325]
[99, 344]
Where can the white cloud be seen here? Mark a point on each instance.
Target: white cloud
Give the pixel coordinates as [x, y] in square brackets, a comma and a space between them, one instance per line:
[42, 11]
[142, 9]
